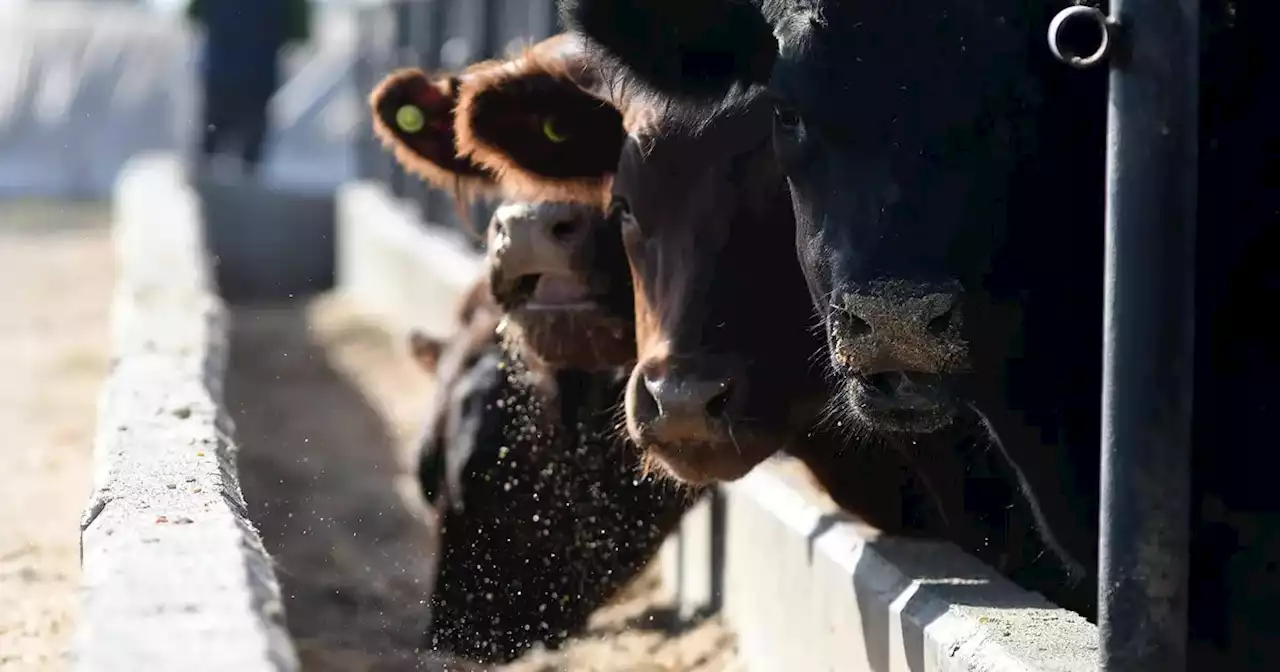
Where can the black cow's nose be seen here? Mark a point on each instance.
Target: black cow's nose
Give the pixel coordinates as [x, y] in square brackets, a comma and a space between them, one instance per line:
[895, 325]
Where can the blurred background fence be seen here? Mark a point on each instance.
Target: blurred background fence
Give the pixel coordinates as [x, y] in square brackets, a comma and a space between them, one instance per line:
[435, 35]
[86, 85]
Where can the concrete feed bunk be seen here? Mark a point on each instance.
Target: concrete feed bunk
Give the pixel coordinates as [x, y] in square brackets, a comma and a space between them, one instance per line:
[174, 573]
[325, 404]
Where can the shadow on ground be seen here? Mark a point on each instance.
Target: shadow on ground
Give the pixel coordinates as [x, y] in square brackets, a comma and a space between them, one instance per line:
[326, 484]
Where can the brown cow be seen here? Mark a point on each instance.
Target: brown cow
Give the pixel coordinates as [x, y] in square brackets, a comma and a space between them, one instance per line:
[553, 267]
[691, 402]
[546, 514]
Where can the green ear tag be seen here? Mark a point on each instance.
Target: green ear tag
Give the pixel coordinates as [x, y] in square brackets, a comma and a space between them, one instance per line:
[409, 119]
[549, 130]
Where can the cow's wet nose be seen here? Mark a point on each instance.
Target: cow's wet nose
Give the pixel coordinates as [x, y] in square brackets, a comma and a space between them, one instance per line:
[899, 326]
[529, 240]
[681, 403]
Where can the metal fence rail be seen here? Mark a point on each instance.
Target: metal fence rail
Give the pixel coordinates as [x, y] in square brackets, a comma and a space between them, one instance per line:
[436, 35]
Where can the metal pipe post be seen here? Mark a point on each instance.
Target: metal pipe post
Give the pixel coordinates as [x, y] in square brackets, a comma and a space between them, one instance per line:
[403, 56]
[1149, 333]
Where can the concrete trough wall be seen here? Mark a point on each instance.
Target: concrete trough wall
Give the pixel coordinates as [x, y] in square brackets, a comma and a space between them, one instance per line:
[174, 574]
[804, 586]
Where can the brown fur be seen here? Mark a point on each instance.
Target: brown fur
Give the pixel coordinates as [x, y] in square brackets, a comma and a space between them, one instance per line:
[432, 152]
[500, 115]
[585, 340]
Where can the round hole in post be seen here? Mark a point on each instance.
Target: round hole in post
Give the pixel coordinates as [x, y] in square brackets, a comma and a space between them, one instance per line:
[1080, 36]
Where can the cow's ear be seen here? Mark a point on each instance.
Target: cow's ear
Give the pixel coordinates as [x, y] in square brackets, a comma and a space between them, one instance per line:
[536, 123]
[414, 116]
[695, 49]
[425, 350]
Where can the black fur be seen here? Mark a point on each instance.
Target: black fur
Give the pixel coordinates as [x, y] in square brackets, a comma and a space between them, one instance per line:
[718, 45]
[1031, 133]
[546, 514]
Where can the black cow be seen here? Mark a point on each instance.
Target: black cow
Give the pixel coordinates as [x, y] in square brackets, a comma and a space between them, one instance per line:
[947, 181]
[546, 511]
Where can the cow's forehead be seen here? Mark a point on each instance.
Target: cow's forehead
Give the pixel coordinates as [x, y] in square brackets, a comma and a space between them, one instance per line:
[726, 133]
[902, 66]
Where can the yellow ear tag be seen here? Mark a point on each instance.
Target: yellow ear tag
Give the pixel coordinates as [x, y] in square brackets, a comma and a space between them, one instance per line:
[549, 130]
[409, 119]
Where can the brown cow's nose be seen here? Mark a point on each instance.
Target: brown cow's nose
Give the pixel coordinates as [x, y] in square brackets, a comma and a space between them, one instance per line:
[678, 403]
[539, 228]
[528, 240]
[569, 232]
[689, 397]
[899, 326]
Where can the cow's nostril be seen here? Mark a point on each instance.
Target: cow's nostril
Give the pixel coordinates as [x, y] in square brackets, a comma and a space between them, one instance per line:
[524, 287]
[564, 231]
[938, 325]
[853, 326]
[719, 403]
[646, 405]
[499, 227]
[858, 326]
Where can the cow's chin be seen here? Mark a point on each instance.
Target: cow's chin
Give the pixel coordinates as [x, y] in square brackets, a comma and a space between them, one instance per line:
[930, 408]
[562, 322]
[581, 335]
[720, 453]
[706, 463]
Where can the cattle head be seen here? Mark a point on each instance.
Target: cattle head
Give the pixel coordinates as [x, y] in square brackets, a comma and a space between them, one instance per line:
[722, 321]
[554, 267]
[722, 325]
[901, 128]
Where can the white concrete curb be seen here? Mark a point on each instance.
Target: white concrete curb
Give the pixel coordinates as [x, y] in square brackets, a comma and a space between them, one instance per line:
[174, 574]
[807, 587]
[804, 587]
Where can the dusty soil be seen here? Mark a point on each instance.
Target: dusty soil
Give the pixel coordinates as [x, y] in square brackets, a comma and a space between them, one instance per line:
[56, 278]
[326, 407]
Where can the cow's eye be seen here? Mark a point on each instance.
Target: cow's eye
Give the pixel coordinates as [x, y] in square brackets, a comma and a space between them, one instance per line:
[619, 209]
[549, 130]
[620, 212]
[787, 118]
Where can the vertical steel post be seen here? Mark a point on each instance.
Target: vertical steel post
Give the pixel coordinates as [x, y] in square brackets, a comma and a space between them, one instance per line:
[362, 80]
[489, 45]
[1148, 322]
[420, 50]
[402, 56]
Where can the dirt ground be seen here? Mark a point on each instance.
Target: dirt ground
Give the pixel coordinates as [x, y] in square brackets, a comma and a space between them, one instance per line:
[56, 278]
[326, 406]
